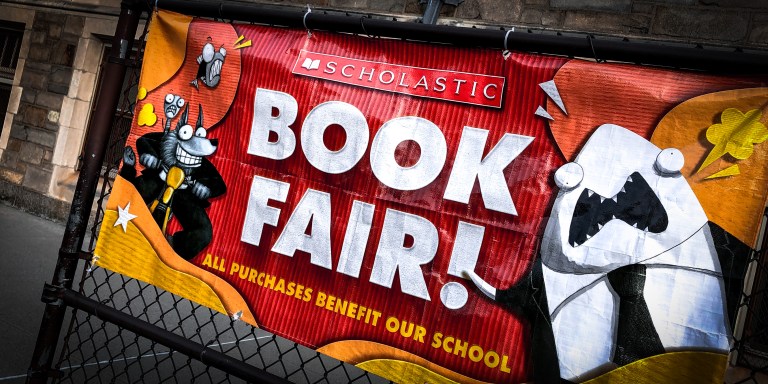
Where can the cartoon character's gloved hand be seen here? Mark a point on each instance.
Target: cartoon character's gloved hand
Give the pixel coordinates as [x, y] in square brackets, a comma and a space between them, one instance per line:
[149, 161]
[201, 191]
[129, 158]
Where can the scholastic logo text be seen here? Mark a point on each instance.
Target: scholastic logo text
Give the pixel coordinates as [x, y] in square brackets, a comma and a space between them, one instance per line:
[460, 87]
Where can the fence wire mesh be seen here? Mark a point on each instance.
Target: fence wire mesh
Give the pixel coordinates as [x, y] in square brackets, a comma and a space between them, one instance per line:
[94, 350]
[749, 355]
[98, 351]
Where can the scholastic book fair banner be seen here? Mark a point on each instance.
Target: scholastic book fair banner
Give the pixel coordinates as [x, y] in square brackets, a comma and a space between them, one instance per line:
[437, 214]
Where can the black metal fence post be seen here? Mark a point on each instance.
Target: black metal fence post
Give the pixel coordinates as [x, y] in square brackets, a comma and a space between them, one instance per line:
[96, 143]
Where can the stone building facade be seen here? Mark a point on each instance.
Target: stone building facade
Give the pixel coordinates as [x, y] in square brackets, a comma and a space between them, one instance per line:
[60, 55]
[50, 100]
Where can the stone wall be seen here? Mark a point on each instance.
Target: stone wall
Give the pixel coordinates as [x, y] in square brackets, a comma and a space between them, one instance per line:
[45, 81]
[51, 98]
[733, 23]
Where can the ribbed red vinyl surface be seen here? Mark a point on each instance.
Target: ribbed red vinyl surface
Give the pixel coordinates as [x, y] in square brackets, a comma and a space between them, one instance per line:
[510, 242]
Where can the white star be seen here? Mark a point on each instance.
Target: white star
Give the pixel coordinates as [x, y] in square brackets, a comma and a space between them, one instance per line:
[124, 216]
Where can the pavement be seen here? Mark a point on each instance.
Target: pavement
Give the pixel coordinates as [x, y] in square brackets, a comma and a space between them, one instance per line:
[28, 249]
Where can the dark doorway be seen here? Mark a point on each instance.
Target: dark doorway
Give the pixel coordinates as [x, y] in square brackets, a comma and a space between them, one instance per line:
[10, 43]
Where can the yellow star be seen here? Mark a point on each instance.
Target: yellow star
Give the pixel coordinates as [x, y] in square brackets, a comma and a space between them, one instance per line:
[123, 216]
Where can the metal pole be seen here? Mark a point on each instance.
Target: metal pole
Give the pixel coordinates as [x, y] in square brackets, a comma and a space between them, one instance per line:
[746, 312]
[178, 343]
[432, 11]
[677, 56]
[40, 368]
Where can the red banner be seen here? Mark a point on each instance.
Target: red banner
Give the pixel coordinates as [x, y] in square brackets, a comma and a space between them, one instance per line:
[360, 197]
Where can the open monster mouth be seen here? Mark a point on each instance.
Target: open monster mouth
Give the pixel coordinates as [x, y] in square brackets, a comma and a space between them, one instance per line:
[171, 110]
[636, 204]
[214, 72]
[186, 158]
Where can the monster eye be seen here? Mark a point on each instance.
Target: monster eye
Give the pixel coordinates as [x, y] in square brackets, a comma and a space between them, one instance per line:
[169, 98]
[185, 132]
[569, 176]
[208, 52]
[200, 132]
[180, 102]
[670, 161]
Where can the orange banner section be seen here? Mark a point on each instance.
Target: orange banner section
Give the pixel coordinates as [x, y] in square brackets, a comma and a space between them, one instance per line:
[735, 201]
[174, 274]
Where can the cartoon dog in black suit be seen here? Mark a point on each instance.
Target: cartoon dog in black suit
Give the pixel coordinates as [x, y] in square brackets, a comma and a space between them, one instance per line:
[182, 154]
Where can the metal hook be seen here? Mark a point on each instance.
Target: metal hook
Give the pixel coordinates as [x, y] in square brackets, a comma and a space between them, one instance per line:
[362, 25]
[92, 264]
[304, 20]
[589, 38]
[505, 52]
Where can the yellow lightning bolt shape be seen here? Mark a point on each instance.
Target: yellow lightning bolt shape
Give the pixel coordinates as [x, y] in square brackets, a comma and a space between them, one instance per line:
[243, 45]
[736, 135]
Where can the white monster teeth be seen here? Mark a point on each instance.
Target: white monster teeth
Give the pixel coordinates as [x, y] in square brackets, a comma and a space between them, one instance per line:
[602, 199]
[623, 190]
[634, 225]
[588, 237]
[589, 193]
[599, 226]
[615, 199]
[185, 158]
[613, 217]
[629, 179]
[192, 160]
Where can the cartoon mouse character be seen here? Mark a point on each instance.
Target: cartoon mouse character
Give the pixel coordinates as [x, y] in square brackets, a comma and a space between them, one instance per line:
[180, 153]
[209, 66]
[628, 265]
[171, 107]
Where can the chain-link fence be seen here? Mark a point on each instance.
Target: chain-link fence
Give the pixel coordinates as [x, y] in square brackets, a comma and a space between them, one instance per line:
[95, 350]
[98, 351]
[749, 354]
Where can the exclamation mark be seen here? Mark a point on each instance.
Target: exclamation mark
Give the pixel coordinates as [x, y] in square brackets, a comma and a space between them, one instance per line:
[466, 249]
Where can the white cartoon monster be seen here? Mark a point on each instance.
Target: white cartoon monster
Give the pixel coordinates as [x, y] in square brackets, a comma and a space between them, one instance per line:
[626, 226]
[623, 201]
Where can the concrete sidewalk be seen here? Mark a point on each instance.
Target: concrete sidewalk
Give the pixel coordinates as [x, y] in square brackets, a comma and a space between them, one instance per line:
[29, 246]
[28, 251]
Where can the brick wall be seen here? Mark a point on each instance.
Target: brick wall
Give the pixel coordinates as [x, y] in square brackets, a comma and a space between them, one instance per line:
[742, 23]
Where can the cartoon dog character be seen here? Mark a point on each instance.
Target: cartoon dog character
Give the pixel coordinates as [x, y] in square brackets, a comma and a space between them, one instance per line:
[625, 227]
[185, 148]
[209, 66]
